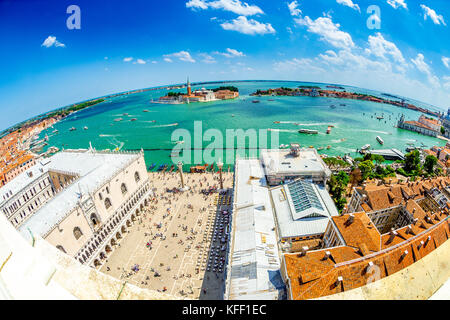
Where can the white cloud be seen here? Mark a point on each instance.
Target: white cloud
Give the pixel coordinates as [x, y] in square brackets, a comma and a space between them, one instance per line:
[250, 27]
[428, 12]
[303, 65]
[397, 3]
[168, 60]
[207, 58]
[328, 31]
[380, 47]
[182, 56]
[446, 62]
[423, 67]
[231, 53]
[349, 3]
[446, 82]
[128, 59]
[140, 61]
[52, 42]
[293, 9]
[235, 6]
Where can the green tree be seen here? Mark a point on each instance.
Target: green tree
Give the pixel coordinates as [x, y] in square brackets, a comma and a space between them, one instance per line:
[366, 168]
[378, 159]
[412, 161]
[430, 162]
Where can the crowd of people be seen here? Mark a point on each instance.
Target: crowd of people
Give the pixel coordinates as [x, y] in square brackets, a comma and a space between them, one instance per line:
[174, 225]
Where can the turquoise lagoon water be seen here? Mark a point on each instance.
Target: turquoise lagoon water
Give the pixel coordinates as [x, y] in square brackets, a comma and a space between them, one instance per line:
[355, 124]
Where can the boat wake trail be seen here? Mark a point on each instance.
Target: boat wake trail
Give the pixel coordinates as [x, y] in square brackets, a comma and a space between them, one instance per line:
[116, 143]
[282, 130]
[108, 135]
[374, 131]
[164, 125]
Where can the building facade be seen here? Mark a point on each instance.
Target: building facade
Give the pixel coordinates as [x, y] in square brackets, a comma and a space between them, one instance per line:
[80, 201]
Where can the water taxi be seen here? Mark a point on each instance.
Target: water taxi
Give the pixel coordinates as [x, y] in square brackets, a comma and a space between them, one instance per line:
[72, 129]
[134, 119]
[118, 119]
[380, 117]
[85, 128]
[329, 130]
[380, 141]
[308, 131]
[276, 122]
[145, 110]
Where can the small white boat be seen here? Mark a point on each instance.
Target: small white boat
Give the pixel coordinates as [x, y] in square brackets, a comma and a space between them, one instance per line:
[380, 141]
[72, 129]
[85, 128]
[365, 147]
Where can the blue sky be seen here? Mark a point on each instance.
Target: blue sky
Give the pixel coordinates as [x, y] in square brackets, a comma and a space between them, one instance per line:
[125, 45]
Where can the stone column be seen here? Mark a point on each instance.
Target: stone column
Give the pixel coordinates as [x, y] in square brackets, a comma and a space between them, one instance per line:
[220, 165]
[180, 170]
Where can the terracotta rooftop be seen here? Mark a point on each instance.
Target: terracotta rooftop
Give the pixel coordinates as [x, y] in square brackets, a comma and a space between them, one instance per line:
[327, 271]
[359, 232]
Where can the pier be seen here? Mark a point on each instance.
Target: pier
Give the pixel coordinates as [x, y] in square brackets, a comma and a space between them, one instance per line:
[389, 154]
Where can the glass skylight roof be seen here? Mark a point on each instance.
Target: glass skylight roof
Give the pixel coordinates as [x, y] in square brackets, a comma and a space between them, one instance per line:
[303, 196]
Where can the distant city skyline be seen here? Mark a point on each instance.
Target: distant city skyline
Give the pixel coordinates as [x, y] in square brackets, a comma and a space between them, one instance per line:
[139, 44]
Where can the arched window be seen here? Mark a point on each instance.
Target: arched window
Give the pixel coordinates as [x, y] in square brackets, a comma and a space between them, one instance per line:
[94, 219]
[107, 203]
[123, 187]
[137, 177]
[61, 248]
[77, 233]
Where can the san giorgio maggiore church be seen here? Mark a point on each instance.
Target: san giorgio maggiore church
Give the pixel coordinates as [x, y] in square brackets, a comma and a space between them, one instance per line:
[80, 201]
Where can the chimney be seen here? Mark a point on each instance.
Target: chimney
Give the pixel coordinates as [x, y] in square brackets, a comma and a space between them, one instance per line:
[351, 218]
[393, 234]
[415, 221]
[404, 254]
[428, 240]
[339, 280]
[409, 230]
[303, 251]
[327, 255]
[421, 245]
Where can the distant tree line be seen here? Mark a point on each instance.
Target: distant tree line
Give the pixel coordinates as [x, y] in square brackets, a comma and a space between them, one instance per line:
[231, 88]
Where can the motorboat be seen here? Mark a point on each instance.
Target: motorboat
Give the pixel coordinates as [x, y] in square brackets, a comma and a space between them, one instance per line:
[308, 131]
[380, 141]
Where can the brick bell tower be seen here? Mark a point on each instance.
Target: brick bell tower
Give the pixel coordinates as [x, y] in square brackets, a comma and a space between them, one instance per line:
[188, 87]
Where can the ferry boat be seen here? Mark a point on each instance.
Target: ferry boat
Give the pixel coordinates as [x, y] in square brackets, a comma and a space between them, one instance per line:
[364, 148]
[380, 141]
[72, 129]
[308, 131]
